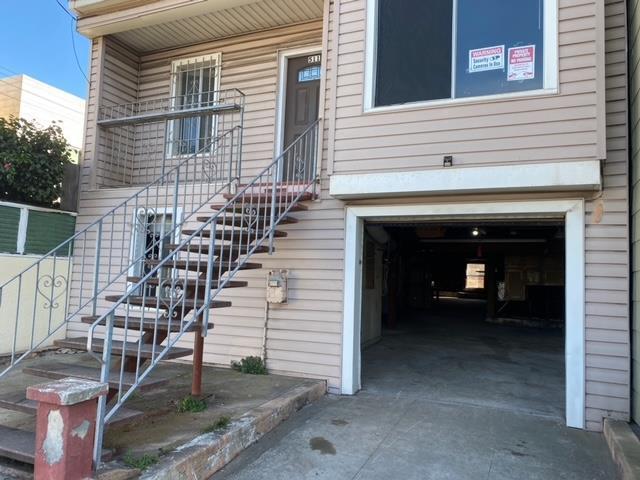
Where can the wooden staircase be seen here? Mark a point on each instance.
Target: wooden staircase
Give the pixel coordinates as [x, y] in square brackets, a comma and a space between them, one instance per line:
[230, 251]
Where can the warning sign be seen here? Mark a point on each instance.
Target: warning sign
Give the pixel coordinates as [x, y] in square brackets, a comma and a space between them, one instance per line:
[522, 63]
[485, 59]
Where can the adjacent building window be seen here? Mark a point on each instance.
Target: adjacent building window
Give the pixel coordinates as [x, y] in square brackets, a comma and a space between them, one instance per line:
[195, 84]
[446, 49]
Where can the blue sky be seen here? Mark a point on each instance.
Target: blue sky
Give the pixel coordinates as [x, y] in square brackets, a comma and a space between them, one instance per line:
[35, 39]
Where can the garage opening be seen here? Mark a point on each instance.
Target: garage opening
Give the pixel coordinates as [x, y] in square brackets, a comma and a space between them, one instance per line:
[466, 312]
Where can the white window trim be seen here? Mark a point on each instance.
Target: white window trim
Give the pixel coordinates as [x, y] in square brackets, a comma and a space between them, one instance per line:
[135, 236]
[573, 213]
[551, 74]
[217, 59]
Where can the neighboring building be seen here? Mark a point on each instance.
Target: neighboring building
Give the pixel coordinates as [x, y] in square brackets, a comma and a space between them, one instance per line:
[27, 232]
[24, 97]
[466, 151]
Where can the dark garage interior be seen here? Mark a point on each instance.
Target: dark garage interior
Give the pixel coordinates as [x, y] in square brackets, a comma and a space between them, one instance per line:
[470, 312]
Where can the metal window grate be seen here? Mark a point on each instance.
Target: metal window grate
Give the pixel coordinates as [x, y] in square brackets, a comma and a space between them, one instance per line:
[140, 141]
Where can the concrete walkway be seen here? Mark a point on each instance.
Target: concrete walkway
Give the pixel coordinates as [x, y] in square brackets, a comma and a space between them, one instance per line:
[449, 398]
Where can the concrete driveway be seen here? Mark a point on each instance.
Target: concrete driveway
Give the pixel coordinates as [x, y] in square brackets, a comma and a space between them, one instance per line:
[374, 437]
[449, 399]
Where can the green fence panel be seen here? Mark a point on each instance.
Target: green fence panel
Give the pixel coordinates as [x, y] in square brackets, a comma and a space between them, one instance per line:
[47, 230]
[9, 223]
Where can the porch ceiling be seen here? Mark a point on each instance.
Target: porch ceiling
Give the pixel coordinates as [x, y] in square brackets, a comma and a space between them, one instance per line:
[160, 32]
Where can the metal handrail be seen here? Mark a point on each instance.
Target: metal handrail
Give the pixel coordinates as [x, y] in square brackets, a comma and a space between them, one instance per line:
[218, 155]
[296, 168]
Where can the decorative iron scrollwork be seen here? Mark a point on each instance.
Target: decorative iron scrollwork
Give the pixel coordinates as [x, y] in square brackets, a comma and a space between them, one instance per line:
[172, 294]
[52, 288]
[250, 217]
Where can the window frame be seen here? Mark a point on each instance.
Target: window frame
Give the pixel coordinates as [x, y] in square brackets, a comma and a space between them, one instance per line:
[214, 59]
[550, 56]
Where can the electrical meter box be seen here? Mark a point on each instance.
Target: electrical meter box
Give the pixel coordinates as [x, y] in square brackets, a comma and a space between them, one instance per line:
[277, 286]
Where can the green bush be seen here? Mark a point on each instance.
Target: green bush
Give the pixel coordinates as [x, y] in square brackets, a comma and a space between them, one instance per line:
[250, 365]
[32, 162]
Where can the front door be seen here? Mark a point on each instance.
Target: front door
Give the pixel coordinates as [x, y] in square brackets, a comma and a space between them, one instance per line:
[301, 110]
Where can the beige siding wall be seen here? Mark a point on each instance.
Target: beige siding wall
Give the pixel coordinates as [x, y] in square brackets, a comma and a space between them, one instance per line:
[304, 335]
[607, 246]
[553, 128]
[634, 101]
[568, 126]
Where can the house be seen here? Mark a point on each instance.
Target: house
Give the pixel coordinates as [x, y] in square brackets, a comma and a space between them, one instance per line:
[414, 156]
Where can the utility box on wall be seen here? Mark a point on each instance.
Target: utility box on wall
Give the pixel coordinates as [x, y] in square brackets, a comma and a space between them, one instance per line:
[277, 288]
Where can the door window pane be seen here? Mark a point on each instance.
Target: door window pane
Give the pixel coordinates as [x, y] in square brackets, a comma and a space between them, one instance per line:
[499, 46]
[413, 51]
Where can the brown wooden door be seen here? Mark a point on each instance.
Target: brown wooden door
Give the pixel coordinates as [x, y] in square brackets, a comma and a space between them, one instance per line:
[301, 108]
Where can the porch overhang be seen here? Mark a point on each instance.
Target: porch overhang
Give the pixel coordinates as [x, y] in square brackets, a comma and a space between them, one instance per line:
[104, 17]
[539, 177]
[148, 25]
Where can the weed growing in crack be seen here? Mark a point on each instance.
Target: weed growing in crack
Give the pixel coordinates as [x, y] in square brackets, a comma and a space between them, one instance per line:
[220, 424]
[250, 365]
[192, 405]
[141, 462]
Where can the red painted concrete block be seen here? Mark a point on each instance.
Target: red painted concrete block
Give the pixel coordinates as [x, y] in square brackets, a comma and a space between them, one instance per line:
[65, 427]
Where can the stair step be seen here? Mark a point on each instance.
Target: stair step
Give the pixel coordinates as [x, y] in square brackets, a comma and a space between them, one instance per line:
[190, 282]
[201, 266]
[236, 234]
[20, 445]
[57, 371]
[203, 248]
[267, 197]
[17, 444]
[80, 343]
[17, 402]
[228, 220]
[240, 208]
[149, 324]
[152, 302]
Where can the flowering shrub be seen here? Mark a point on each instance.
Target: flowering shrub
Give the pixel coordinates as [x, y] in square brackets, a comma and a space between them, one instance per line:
[32, 162]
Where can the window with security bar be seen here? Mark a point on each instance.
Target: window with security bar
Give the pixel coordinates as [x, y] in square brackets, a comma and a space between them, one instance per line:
[195, 85]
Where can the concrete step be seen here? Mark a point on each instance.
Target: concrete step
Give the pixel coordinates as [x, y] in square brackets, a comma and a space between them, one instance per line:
[17, 402]
[131, 348]
[57, 371]
[17, 444]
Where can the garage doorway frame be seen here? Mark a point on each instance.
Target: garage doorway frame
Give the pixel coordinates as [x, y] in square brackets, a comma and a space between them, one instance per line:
[573, 213]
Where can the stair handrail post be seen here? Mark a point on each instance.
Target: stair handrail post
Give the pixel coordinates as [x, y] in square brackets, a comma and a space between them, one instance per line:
[105, 369]
[231, 172]
[240, 138]
[315, 163]
[176, 191]
[209, 279]
[96, 268]
[274, 183]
